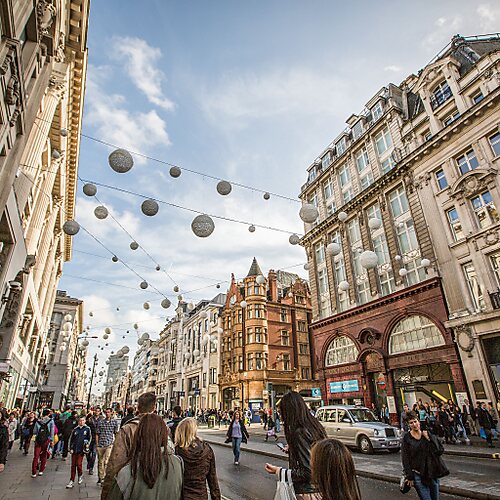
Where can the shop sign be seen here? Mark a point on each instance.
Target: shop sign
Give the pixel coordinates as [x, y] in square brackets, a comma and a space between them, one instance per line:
[316, 392]
[391, 404]
[344, 386]
[461, 397]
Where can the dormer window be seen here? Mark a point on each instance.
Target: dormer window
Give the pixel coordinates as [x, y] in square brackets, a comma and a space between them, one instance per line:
[341, 146]
[440, 94]
[326, 161]
[357, 130]
[377, 111]
[312, 175]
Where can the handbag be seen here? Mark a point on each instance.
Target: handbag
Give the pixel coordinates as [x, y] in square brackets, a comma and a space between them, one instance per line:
[284, 488]
[56, 439]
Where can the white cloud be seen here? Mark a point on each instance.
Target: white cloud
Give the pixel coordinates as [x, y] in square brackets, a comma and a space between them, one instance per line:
[393, 68]
[442, 31]
[141, 61]
[488, 17]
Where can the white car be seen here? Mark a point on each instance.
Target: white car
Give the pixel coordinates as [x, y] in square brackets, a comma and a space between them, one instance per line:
[358, 427]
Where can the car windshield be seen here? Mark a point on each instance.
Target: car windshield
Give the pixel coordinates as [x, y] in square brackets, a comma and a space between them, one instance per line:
[363, 415]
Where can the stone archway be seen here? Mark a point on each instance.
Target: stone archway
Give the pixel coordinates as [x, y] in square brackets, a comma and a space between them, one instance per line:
[375, 378]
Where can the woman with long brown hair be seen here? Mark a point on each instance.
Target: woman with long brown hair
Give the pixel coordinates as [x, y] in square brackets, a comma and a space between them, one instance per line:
[333, 472]
[236, 434]
[153, 471]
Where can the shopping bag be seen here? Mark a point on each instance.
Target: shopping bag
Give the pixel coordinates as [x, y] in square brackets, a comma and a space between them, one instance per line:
[482, 432]
[56, 439]
[284, 488]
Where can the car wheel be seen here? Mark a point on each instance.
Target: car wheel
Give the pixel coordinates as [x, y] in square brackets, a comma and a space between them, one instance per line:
[365, 445]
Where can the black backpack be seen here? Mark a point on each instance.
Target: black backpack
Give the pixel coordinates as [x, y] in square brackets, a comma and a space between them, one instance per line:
[43, 432]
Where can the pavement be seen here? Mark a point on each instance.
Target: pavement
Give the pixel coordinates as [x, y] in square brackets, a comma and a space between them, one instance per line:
[471, 476]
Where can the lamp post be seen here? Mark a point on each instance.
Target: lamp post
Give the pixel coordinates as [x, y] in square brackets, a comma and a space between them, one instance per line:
[91, 382]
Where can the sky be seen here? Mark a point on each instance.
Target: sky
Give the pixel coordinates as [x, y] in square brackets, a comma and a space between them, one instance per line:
[251, 92]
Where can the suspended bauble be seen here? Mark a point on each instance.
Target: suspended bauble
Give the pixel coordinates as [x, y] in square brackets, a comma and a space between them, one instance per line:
[179, 298]
[224, 188]
[64, 132]
[158, 267]
[176, 288]
[220, 330]
[89, 189]
[266, 196]
[134, 245]
[165, 303]
[105, 336]
[260, 280]
[368, 259]
[344, 286]
[67, 326]
[85, 343]
[121, 161]
[114, 258]
[144, 285]
[333, 249]
[120, 354]
[306, 266]
[190, 306]
[71, 227]
[101, 374]
[425, 262]
[136, 326]
[91, 314]
[308, 213]
[243, 304]
[206, 338]
[196, 353]
[146, 305]
[398, 258]
[202, 226]
[294, 239]
[217, 285]
[149, 207]
[125, 349]
[374, 223]
[108, 330]
[175, 172]
[251, 228]
[403, 272]
[101, 212]
[62, 348]
[342, 216]
[68, 317]
[55, 154]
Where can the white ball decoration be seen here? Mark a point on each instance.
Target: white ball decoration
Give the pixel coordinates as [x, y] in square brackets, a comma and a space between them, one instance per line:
[55, 154]
[403, 272]
[67, 326]
[308, 213]
[71, 227]
[203, 314]
[145, 336]
[125, 349]
[101, 374]
[105, 336]
[165, 303]
[144, 285]
[175, 172]
[251, 228]
[121, 161]
[108, 330]
[224, 188]
[342, 216]
[85, 343]
[243, 304]
[68, 317]
[176, 288]
[196, 353]
[91, 314]
[62, 348]
[294, 239]
[202, 226]
[206, 338]
[136, 326]
[114, 258]
[220, 330]
[374, 223]
[149, 207]
[425, 262]
[64, 132]
[186, 355]
[134, 245]
[146, 305]
[368, 259]
[400, 225]
[89, 189]
[306, 266]
[266, 196]
[333, 249]
[101, 212]
[190, 306]
[344, 286]
[140, 341]
[179, 298]
[398, 258]
[260, 280]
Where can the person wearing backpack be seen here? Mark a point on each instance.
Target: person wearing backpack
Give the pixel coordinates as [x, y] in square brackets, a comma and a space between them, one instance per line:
[44, 431]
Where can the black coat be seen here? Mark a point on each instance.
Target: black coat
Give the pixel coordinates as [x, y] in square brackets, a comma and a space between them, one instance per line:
[299, 459]
[484, 419]
[4, 443]
[244, 432]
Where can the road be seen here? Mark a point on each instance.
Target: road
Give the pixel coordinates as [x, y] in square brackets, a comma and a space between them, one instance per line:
[249, 481]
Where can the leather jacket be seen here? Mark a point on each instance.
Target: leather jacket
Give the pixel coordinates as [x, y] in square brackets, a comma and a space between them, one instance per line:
[299, 462]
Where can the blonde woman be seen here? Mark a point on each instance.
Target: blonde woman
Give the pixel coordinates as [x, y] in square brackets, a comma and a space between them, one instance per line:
[199, 462]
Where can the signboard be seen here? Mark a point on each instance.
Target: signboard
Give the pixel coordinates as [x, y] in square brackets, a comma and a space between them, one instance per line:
[197, 392]
[181, 394]
[344, 386]
[461, 397]
[391, 404]
[316, 392]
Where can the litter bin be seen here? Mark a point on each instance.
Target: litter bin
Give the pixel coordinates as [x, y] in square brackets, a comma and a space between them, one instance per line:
[211, 421]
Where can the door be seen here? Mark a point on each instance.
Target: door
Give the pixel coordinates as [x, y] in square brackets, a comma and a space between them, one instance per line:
[345, 430]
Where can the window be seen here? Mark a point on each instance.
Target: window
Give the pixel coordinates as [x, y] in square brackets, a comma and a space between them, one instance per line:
[249, 312]
[283, 316]
[341, 146]
[475, 292]
[260, 311]
[306, 373]
[427, 135]
[377, 111]
[366, 180]
[312, 175]
[213, 375]
[362, 160]
[259, 336]
[344, 176]
[304, 348]
[286, 362]
[383, 141]
[347, 194]
[341, 350]
[467, 162]
[495, 264]
[329, 196]
[259, 361]
[249, 336]
[357, 130]
[326, 161]
[455, 224]
[495, 143]
[204, 380]
[414, 333]
[485, 210]
[250, 361]
[477, 97]
[441, 94]
[451, 118]
[319, 250]
[285, 338]
[301, 326]
[441, 179]
[398, 201]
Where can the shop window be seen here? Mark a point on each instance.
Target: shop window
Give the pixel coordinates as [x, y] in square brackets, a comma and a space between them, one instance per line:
[414, 333]
[485, 210]
[341, 350]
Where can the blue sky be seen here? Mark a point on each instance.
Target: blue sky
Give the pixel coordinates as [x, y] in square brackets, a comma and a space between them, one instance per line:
[247, 91]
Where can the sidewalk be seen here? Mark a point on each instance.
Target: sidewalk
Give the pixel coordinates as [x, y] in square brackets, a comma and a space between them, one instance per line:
[16, 482]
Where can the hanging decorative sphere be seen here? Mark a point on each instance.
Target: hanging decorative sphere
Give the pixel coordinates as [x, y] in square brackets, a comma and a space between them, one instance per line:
[158, 267]
[91, 314]
[206, 338]
[398, 258]
[342, 216]
[144, 285]
[107, 361]
[203, 314]
[101, 374]
[108, 330]
[85, 343]
[368, 259]
[251, 228]
[55, 154]
[374, 223]
[101, 212]
[196, 353]
[136, 326]
[140, 341]
[220, 330]
[175, 172]
[121, 161]
[243, 304]
[89, 189]
[202, 226]
[333, 249]
[120, 354]
[67, 327]
[165, 303]
[134, 245]
[217, 285]
[114, 258]
[68, 317]
[146, 305]
[224, 188]
[308, 213]
[125, 349]
[190, 306]
[359, 250]
[186, 355]
[176, 288]
[64, 132]
[260, 280]
[294, 239]
[149, 207]
[266, 196]
[425, 262]
[117, 308]
[71, 227]
[179, 298]
[105, 336]
[306, 266]
[62, 348]
[344, 286]
[403, 272]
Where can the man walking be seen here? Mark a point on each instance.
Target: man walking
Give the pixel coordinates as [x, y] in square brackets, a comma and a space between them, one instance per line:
[105, 436]
[403, 424]
[92, 420]
[129, 416]
[469, 416]
[69, 424]
[486, 422]
[44, 431]
[176, 419]
[79, 443]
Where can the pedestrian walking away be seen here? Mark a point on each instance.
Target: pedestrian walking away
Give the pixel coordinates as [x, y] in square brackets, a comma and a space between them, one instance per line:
[4, 439]
[92, 420]
[176, 419]
[68, 425]
[12, 427]
[199, 463]
[27, 428]
[485, 421]
[79, 443]
[105, 436]
[153, 471]
[129, 416]
[44, 432]
[421, 457]
[237, 434]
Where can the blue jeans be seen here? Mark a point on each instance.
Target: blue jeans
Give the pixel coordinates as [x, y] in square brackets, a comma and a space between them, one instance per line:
[91, 456]
[425, 492]
[236, 449]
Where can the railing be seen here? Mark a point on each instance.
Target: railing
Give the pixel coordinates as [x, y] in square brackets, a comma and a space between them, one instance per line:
[441, 98]
[495, 299]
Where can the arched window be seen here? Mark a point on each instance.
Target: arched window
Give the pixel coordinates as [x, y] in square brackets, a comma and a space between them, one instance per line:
[414, 333]
[341, 350]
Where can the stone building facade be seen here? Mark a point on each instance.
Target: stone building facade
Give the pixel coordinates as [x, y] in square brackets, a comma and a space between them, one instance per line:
[43, 60]
[265, 339]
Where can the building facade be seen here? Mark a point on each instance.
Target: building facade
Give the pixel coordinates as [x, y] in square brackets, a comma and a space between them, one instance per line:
[265, 339]
[116, 377]
[386, 281]
[43, 59]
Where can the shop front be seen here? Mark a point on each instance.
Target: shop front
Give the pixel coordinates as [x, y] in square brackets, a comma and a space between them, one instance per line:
[491, 348]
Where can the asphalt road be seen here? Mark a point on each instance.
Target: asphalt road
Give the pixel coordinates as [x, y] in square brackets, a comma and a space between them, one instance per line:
[249, 480]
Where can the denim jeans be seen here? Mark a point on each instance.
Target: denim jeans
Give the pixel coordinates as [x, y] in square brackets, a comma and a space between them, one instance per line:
[425, 492]
[236, 449]
[91, 456]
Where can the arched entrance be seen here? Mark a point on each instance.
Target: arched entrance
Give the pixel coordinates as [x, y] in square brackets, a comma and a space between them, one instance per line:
[375, 378]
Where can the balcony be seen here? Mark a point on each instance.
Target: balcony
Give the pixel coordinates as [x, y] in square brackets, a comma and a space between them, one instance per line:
[495, 299]
[440, 97]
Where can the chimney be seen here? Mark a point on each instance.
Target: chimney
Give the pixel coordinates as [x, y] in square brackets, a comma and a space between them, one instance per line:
[273, 287]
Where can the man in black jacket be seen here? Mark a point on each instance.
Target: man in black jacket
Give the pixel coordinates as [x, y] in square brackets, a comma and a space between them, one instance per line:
[486, 422]
[129, 416]
[176, 418]
[69, 424]
[469, 416]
